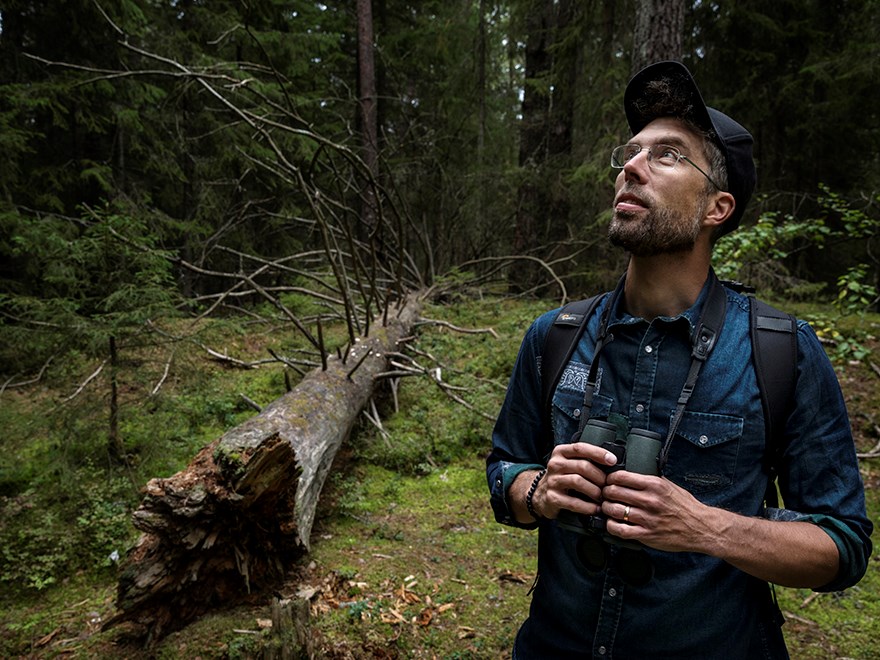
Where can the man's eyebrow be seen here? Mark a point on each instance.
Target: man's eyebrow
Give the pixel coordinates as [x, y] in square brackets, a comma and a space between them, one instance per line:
[672, 141]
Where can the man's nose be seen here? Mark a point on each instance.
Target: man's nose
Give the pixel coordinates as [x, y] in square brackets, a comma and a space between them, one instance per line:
[637, 166]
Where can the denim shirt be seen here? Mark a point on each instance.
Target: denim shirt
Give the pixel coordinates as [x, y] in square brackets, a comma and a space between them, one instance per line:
[695, 606]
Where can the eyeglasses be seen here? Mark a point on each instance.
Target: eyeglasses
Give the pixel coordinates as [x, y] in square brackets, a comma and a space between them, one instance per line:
[660, 157]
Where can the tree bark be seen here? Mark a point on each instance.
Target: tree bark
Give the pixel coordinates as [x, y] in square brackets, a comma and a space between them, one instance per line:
[368, 107]
[244, 507]
[659, 32]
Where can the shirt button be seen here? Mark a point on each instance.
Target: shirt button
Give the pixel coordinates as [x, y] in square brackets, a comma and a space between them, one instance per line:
[612, 592]
[704, 439]
[576, 413]
[640, 408]
[648, 349]
[602, 650]
[498, 483]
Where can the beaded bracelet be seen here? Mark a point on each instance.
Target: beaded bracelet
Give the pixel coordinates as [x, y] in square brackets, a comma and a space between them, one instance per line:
[531, 492]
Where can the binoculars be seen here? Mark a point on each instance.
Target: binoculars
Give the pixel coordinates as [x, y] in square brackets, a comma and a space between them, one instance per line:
[638, 452]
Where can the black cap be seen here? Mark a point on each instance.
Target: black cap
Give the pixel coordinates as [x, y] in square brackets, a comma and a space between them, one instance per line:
[643, 103]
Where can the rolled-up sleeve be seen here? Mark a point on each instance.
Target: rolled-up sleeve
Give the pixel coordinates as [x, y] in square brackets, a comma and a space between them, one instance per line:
[819, 473]
[519, 440]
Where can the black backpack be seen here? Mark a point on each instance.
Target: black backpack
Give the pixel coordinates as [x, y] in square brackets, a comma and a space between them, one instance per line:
[774, 351]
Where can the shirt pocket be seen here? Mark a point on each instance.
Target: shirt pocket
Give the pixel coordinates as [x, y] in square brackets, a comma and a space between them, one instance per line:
[703, 457]
[567, 410]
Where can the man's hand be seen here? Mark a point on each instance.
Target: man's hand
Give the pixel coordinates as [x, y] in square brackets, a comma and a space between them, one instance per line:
[573, 481]
[664, 516]
[655, 511]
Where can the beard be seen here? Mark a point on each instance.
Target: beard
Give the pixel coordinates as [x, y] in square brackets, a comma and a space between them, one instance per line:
[661, 230]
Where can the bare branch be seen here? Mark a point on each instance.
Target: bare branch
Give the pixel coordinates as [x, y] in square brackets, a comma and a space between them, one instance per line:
[250, 402]
[85, 383]
[287, 362]
[231, 361]
[513, 258]
[468, 331]
[158, 386]
[36, 379]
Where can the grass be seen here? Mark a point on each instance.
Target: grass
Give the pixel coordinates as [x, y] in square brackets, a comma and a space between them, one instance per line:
[406, 558]
[423, 566]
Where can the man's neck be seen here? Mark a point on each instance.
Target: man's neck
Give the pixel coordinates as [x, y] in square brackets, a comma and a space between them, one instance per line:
[665, 285]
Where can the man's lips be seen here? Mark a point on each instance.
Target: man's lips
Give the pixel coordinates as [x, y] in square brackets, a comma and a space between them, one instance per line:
[627, 202]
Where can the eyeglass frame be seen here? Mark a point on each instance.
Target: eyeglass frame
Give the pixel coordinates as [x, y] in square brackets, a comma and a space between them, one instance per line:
[678, 157]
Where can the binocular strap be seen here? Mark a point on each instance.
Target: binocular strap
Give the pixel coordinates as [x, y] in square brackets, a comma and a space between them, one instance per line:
[702, 342]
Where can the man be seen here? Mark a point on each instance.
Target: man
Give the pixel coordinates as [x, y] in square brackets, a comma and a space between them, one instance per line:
[633, 565]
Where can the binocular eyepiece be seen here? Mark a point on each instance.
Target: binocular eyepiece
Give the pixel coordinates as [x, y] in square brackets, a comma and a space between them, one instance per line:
[639, 453]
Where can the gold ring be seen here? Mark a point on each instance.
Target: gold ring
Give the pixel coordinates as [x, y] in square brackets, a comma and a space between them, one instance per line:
[626, 513]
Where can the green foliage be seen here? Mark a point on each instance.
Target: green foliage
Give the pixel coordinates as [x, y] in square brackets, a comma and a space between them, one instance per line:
[855, 293]
[244, 647]
[60, 513]
[84, 281]
[34, 554]
[106, 529]
[757, 253]
[40, 545]
[844, 342]
[856, 223]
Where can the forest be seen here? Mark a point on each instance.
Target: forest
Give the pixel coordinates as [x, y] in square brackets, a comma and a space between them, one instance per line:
[213, 215]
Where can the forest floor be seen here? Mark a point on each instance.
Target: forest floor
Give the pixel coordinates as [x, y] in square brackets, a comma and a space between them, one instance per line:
[411, 564]
[420, 571]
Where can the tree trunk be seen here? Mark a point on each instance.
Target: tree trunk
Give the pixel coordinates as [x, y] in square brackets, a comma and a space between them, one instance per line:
[115, 445]
[369, 115]
[659, 32]
[244, 506]
[545, 133]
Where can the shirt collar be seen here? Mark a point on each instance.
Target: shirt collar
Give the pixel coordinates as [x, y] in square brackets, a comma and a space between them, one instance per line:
[692, 314]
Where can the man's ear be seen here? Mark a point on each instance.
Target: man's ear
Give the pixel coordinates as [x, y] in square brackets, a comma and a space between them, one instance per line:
[720, 207]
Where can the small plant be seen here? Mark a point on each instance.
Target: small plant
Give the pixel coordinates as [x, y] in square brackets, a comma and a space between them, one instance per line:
[104, 528]
[34, 550]
[855, 293]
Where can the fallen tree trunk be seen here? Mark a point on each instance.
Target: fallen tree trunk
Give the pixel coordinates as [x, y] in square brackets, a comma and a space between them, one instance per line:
[244, 507]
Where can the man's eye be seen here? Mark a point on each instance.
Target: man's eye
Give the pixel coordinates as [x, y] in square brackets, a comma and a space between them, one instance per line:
[665, 153]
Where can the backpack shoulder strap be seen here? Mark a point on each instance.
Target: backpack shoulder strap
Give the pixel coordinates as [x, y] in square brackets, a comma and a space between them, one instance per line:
[560, 342]
[774, 351]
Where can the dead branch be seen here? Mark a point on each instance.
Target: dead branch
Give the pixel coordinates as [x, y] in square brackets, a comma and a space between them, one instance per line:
[874, 453]
[85, 383]
[228, 360]
[24, 383]
[468, 331]
[250, 402]
[509, 259]
[158, 386]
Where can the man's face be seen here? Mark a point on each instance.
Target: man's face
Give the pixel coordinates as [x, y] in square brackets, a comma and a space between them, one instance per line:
[660, 211]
